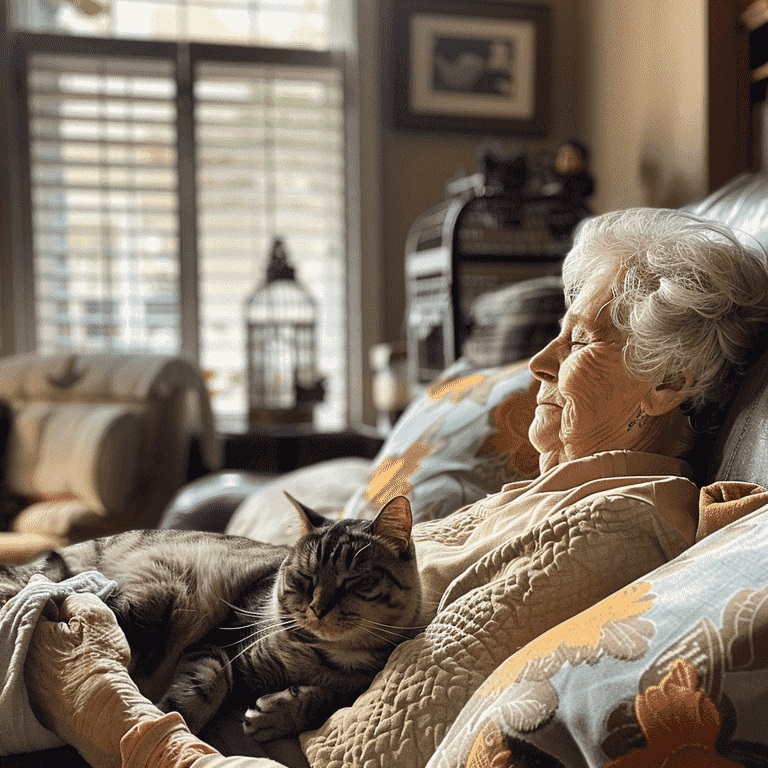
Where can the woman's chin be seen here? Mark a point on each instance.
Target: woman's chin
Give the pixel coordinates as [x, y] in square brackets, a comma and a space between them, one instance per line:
[545, 439]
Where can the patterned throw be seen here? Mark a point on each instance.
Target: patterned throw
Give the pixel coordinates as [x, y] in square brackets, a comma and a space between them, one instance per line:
[670, 670]
[464, 438]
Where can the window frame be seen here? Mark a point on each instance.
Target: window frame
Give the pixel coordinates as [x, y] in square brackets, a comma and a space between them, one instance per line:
[17, 297]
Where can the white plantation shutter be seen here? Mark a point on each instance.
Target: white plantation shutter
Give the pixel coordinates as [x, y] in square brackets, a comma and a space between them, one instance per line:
[110, 145]
[270, 162]
[102, 145]
[280, 23]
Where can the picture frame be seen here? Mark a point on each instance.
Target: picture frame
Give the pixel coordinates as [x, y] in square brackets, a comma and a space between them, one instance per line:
[472, 67]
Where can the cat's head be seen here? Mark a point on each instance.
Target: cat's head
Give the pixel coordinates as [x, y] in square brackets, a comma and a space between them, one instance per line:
[353, 580]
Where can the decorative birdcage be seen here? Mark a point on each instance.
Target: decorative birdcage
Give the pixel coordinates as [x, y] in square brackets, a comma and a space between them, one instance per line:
[280, 326]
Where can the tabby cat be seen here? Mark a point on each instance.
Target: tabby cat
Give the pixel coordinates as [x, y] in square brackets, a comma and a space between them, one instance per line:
[210, 618]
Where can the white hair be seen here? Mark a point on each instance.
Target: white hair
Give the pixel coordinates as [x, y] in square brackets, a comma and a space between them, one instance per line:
[689, 297]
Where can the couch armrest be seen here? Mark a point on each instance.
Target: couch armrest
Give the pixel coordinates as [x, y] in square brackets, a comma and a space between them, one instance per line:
[207, 503]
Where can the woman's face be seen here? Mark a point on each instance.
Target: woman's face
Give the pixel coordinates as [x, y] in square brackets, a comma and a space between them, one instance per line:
[587, 398]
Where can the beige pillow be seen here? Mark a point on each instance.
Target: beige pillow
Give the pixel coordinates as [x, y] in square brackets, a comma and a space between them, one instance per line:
[267, 515]
[74, 451]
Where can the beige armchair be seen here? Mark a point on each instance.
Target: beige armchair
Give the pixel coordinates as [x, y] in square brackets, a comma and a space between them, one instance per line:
[98, 443]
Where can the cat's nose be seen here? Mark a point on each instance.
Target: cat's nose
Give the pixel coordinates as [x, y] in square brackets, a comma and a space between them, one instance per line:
[320, 607]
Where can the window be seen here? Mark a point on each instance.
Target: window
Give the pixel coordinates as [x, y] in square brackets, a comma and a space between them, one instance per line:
[269, 160]
[160, 171]
[103, 156]
[304, 24]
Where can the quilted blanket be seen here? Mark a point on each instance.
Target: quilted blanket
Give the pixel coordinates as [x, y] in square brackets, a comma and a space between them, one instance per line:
[498, 574]
[670, 669]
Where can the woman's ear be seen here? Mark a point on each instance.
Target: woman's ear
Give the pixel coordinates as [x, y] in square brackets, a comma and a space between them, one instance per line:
[666, 396]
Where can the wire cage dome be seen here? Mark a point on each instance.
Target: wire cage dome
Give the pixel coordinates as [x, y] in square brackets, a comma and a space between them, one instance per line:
[281, 326]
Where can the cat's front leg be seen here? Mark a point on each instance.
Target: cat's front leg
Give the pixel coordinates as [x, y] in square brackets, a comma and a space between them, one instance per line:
[290, 712]
[201, 683]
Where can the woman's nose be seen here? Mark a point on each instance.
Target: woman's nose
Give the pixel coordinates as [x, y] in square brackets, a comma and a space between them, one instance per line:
[544, 364]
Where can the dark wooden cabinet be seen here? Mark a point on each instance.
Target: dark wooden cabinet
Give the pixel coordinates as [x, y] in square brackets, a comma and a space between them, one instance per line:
[282, 448]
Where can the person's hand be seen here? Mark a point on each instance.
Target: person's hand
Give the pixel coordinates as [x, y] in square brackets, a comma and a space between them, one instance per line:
[77, 679]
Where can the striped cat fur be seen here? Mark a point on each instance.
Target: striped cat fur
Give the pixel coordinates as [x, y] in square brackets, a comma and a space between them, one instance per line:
[286, 635]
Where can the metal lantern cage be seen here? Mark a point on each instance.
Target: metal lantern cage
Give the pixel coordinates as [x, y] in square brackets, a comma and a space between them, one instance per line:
[280, 325]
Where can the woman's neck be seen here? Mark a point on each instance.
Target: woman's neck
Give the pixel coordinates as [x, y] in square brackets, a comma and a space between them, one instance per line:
[668, 435]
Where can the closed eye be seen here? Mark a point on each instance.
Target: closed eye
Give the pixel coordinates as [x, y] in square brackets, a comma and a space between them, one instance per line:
[361, 585]
[299, 580]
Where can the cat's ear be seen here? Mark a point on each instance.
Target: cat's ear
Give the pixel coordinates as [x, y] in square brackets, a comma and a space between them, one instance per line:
[310, 520]
[394, 522]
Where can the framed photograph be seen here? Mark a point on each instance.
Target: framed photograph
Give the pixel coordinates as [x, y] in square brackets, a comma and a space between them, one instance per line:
[481, 66]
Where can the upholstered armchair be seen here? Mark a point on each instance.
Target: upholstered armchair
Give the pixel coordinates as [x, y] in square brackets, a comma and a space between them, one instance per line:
[97, 443]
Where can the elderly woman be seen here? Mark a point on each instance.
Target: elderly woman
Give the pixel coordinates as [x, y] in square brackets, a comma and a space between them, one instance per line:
[663, 313]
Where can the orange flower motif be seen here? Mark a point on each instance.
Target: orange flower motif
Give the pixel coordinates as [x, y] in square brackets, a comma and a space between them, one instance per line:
[455, 388]
[392, 477]
[680, 724]
[610, 626]
[511, 419]
[490, 749]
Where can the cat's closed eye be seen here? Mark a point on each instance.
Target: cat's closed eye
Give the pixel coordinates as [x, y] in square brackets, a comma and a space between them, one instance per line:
[362, 585]
[299, 580]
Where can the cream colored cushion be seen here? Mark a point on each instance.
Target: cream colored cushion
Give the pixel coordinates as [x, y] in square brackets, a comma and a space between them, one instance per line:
[267, 515]
[79, 451]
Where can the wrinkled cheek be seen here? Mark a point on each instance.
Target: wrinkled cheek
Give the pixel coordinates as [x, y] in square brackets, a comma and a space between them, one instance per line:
[567, 422]
[576, 430]
[589, 388]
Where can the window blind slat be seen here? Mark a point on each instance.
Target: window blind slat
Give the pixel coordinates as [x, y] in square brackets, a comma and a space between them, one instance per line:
[105, 230]
[270, 163]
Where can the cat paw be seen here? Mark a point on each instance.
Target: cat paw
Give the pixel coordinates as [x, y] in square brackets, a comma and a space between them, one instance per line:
[202, 682]
[278, 714]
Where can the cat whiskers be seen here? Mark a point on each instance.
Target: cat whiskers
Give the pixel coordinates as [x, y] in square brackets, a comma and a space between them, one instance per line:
[280, 628]
[263, 632]
[250, 624]
[243, 611]
[379, 637]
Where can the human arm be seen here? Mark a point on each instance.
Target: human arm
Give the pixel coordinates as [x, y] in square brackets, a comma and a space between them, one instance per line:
[79, 687]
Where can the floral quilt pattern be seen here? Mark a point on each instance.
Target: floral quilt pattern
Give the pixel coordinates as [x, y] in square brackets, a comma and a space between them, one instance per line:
[464, 438]
[671, 670]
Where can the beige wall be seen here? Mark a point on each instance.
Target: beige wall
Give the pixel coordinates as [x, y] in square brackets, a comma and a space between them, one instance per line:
[629, 78]
[643, 105]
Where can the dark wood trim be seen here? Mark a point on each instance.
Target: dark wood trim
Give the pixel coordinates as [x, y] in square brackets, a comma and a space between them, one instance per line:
[94, 46]
[729, 124]
[186, 165]
[23, 263]
[7, 326]
[243, 54]
[143, 49]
